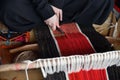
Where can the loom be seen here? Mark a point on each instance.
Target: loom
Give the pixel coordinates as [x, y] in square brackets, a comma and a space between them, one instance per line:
[69, 30]
[96, 63]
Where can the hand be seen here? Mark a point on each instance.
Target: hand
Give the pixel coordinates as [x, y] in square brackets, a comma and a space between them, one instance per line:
[52, 22]
[58, 12]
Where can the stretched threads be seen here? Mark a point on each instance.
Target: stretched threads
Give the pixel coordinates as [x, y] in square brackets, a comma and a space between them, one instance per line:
[74, 44]
[47, 47]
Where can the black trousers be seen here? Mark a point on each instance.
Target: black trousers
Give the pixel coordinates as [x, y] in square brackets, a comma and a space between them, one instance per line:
[19, 15]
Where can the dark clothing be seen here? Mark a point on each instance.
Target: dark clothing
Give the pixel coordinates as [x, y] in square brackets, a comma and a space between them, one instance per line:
[113, 72]
[47, 45]
[56, 76]
[117, 2]
[87, 12]
[23, 15]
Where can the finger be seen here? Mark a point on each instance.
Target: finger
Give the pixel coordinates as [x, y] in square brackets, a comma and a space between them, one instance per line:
[61, 15]
[57, 24]
[46, 22]
[51, 25]
[57, 14]
[54, 27]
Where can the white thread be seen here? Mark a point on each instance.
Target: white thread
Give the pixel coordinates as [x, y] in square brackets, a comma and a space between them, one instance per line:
[37, 63]
[117, 59]
[77, 63]
[26, 72]
[91, 65]
[72, 64]
[58, 65]
[112, 58]
[82, 61]
[65, 65]
[95, 61]
[42, 69]
[69, 64]
[107, 60]
[85, 62]
[54, 65]
[88, 62]
[104, 61]
[101, 56]
[65, 68]
[98, 61]
[46, 66]
[50, 70]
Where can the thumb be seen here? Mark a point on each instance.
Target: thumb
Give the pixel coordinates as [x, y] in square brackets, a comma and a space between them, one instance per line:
[54, 27]
[57, 24]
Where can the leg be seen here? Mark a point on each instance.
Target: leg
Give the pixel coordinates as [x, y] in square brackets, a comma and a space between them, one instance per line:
[19, 15]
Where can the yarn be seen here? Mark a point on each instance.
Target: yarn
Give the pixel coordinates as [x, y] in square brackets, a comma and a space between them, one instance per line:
[76, 43]
[76, 40]
[47, 47]
[89, 75]
[73, 42]
[12, 42]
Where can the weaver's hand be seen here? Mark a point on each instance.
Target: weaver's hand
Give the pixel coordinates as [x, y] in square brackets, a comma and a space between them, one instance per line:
[52, 22]
[58, 12]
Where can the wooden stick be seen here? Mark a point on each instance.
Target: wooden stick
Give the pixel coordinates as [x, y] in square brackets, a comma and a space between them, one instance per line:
[10, 43]
[33, 65]
[25, 48]
[15, 67]
[33, 47]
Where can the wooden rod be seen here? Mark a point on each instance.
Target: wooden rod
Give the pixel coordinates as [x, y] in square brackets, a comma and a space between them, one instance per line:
[25, 48]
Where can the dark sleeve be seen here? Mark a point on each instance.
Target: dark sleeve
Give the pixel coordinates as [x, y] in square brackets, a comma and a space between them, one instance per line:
[43, 8]
[57, 3]
[117, 3]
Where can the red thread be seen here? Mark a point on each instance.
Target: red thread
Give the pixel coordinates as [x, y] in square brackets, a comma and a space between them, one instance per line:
[74, 42]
